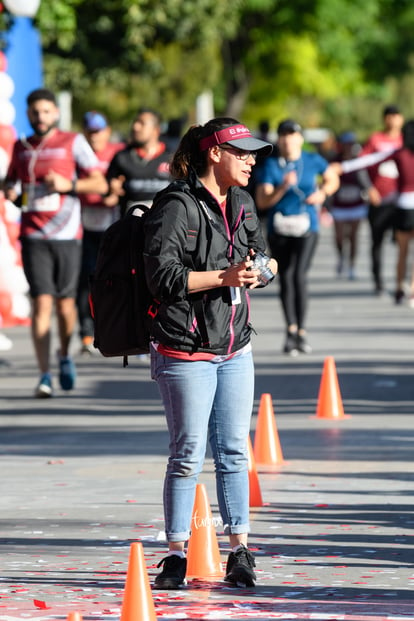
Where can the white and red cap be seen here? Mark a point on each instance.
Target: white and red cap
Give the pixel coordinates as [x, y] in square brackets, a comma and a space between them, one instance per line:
[238, 136]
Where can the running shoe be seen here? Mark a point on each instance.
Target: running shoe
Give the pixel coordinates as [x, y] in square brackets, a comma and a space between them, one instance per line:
[290, 346]
[88, 347]
[5, 343]
[67, 373]
[44, 388]
[173, 573]
[399, 296]
[239, 570]
[303, 345]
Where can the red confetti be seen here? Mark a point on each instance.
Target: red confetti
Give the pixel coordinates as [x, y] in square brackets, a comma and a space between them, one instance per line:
[40, 604]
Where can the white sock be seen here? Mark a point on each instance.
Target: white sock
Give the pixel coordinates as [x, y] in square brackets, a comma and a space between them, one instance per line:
[236, 548]
[177, 553]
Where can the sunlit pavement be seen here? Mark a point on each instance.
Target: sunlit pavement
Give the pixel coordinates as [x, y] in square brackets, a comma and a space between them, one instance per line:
[82, 473]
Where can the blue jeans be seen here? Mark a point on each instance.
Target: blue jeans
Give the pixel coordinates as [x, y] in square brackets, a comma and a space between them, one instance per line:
[214, 401]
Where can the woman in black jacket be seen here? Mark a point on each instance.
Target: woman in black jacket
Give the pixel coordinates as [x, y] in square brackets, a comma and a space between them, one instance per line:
[201, 352]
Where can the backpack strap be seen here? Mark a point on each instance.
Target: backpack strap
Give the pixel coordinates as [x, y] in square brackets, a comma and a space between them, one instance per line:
[193, 213]
[193, 209]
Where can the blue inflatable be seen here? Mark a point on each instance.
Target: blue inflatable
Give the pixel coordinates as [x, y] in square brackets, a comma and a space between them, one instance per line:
[24, 65]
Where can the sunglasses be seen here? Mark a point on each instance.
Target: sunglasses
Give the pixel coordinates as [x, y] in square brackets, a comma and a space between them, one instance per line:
[239, 154]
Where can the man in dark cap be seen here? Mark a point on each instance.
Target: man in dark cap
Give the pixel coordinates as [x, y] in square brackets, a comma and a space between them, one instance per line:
[291, 188]
[380, 182]
[288, 127]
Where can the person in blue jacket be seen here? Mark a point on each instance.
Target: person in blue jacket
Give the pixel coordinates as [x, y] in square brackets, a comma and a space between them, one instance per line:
[292, 186]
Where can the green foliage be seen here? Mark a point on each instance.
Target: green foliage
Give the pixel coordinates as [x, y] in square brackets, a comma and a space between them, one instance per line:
[57, 19]
[134, 52]
[325, 61]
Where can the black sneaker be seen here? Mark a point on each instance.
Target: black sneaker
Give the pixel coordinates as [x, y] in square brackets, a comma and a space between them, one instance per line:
[239, 570]
[399, 296]
[291, 346]
[173, 573]
[303, 345]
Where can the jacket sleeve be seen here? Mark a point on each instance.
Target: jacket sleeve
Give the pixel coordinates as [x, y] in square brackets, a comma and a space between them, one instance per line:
[165, 242]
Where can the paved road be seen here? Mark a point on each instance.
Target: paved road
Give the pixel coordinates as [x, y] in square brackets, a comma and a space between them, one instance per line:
[82, 473]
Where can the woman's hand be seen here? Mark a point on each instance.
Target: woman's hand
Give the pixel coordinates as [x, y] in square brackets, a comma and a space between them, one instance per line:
[249, 277]
[238, 275]
[241, 275]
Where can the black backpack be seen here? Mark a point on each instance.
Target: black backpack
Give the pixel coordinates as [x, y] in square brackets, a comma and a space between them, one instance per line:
[121, 304]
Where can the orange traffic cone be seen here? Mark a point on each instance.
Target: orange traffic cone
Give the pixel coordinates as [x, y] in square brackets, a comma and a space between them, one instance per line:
[74, 616]
[137, 604]
[267, 449]
[329, 399]
[255, 494]
[203, 554]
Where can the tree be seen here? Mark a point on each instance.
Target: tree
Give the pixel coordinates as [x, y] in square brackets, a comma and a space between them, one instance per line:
[123, 54]
[306, 57]
[325, 61]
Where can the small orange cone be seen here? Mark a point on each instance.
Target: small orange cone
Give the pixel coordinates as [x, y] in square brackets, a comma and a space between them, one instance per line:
[74, 616]
[267, 449]
[255, 494]
[137, 604]
[203, 554]
[329, 398]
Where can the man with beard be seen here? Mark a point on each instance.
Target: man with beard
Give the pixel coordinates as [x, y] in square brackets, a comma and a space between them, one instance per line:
[44, 179]
[140, 170]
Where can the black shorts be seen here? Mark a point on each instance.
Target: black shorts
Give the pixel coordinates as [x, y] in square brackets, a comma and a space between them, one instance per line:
[52, 266]
[404, 219]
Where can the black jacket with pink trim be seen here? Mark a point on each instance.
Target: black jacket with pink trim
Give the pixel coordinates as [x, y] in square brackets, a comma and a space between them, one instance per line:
[219, 242]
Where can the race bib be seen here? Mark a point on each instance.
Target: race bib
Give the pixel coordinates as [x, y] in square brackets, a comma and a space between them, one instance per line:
[388, 169]
[38, 198]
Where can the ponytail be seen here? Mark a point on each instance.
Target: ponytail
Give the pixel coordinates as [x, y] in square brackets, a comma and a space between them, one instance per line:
[189, 155]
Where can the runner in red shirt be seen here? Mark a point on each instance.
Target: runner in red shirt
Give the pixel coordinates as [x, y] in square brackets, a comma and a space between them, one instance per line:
[381, 186]
[44, 179]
